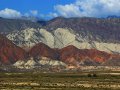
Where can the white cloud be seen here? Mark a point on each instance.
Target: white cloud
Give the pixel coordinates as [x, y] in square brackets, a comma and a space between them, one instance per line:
[90, 8]
[48, 16]
[34, 12]
[9, 13]
[68, 10]
[52, 15]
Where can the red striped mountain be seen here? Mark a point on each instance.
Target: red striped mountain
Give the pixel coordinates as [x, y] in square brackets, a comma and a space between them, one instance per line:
[42, 50]
[9, 52]
[72, 55]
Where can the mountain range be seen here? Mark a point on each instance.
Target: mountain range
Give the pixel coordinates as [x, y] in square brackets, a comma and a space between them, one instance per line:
[60, 41]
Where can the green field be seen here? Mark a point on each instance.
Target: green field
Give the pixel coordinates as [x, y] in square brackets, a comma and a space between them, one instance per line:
[60, 81]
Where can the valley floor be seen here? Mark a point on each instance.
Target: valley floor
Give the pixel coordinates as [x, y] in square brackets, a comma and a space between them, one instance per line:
[82, 80]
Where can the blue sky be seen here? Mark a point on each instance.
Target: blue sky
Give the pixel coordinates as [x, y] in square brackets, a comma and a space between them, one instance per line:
[54, 8]
[43, 6]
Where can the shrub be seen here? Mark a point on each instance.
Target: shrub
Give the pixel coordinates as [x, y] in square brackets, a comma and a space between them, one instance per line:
[94, 75]
[89, 75]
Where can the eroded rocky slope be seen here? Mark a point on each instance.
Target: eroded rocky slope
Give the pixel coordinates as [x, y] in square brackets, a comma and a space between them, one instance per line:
[60, 38]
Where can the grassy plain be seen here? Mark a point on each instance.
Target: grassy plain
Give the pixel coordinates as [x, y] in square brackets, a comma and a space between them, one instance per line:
[98, 80]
